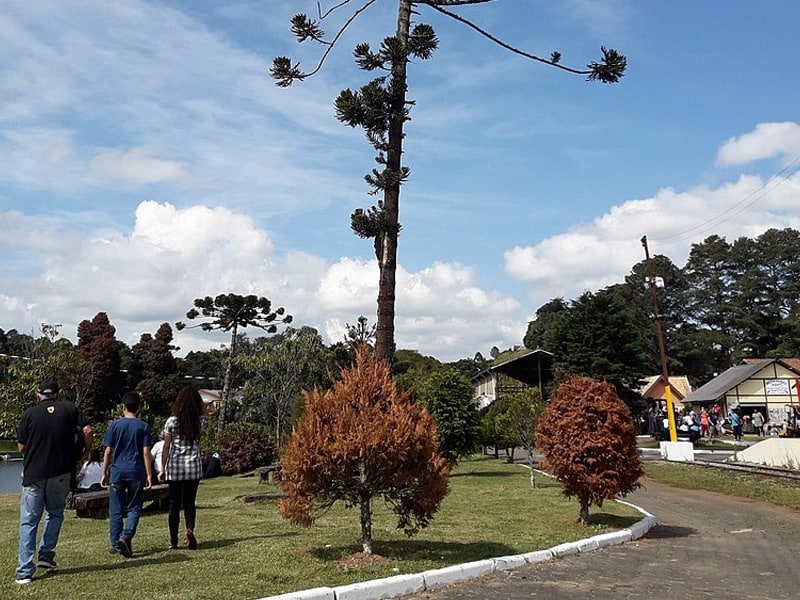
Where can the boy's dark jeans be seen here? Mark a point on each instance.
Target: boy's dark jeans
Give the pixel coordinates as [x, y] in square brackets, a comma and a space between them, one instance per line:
[125, 497]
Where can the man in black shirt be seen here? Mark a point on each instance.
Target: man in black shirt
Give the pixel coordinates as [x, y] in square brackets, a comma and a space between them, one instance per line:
[46, 436]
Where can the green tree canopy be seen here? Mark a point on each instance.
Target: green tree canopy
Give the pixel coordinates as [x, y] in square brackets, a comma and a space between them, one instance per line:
[600, 337]
[229, 312]
[450, 398]
[278, 372]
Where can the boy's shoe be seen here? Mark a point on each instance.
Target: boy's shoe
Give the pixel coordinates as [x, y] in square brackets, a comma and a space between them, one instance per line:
[125, 547]
[24, 580]
[47, 563]
[113, 550]
[191, 541]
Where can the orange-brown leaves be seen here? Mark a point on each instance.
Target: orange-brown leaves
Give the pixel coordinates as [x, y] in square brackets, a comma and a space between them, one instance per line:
[360, 440]
[589, 441]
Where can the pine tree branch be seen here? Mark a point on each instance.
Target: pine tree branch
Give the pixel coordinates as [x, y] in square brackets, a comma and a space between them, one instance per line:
[451, 2]
[339, 33]
[591, 73]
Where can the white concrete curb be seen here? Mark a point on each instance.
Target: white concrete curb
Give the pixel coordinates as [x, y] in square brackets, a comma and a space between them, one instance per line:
[401, 585]
[388, 587]
[437, 578]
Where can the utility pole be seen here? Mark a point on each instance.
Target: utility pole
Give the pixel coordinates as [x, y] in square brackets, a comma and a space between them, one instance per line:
[673, 434]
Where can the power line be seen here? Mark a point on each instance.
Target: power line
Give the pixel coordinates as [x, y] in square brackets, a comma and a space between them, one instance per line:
[783, 176]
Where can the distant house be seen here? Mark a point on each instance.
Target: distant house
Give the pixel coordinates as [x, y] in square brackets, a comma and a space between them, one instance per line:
[531, 368]
[211, 399]
[654, 389]
[768, 385]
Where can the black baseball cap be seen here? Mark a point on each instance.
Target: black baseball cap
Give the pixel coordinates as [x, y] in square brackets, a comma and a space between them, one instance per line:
[48, 388]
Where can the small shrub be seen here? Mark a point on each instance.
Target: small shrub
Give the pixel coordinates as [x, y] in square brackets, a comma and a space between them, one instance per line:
[244, 446]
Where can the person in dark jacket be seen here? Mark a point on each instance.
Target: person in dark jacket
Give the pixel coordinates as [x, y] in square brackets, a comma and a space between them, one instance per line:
[46, 437]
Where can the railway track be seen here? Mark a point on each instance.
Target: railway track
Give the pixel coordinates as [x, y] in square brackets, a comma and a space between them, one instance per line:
[761, 470]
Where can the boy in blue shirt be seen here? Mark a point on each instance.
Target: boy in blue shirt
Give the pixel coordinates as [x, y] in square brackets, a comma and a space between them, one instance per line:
[127, 458]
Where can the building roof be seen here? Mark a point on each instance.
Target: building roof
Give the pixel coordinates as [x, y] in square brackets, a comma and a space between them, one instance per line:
[527, 367]
[716, 389]
[793, 363]
[679, 384]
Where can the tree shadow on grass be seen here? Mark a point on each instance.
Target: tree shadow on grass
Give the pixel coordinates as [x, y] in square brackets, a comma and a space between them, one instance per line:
[416, 550]
[231, 541]
[138, 560]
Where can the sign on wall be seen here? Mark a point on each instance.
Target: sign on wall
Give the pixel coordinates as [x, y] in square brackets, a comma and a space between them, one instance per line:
[777, 387]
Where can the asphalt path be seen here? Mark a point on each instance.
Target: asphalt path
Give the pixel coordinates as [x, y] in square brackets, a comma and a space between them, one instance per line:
[706, 545]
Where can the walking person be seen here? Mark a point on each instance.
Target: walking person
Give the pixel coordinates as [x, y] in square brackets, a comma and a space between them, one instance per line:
[736, 424]
[46, 437]
[181, 466]
[127, 472]
[758, 422]
[705, 424]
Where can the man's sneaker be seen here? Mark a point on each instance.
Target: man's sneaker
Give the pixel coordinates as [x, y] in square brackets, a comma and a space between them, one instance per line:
[191, 541]
[47, 563]
[24, 580]
[125, 547]
[113, 550]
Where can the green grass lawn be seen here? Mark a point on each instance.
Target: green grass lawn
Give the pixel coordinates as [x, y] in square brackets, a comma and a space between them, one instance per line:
[248, 551]
[777, 491]
[8, 446]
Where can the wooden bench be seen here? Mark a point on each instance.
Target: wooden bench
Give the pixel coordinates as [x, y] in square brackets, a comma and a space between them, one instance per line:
[264, 473]
[94, 505]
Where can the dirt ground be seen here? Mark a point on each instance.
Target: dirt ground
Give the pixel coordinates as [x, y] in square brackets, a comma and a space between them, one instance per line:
[705, 545]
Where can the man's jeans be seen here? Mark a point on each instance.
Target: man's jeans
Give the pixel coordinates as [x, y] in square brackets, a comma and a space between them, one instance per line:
[49, 496]
[125, 496]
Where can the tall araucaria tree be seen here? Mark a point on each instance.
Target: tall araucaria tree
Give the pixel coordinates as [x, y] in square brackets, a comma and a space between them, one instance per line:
[589, 442]
[229, 312]
[359, 441]
[381, 108]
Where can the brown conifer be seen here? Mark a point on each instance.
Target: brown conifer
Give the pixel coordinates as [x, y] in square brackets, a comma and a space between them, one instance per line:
[589, 441]
[361, 440]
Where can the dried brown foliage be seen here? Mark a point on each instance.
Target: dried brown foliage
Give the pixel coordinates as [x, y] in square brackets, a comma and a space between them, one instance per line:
[360, 440]
[589, 442]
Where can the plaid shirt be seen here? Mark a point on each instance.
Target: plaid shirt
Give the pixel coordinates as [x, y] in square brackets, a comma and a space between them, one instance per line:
[183, 461]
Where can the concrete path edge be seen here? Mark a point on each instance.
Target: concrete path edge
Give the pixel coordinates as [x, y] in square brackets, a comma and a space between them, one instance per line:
[402, 585]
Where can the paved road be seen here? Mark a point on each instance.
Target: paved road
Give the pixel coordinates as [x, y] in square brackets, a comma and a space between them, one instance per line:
[706, 545]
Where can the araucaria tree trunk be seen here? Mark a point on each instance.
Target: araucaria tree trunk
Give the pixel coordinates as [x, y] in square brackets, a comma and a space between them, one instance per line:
[226, 385]
[387, 260]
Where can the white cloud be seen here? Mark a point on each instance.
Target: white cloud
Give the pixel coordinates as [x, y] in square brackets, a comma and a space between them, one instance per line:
[137, 166]
[767, 140]
[151, 275]
[600, 253]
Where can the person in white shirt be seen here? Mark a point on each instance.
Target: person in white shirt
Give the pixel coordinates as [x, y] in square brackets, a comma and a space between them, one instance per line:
[91, 473]
[156, 451]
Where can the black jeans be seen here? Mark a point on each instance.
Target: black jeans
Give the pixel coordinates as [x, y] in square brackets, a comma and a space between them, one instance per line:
[182, 494]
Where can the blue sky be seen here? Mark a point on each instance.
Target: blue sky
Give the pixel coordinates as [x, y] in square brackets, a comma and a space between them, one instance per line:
[148, 159]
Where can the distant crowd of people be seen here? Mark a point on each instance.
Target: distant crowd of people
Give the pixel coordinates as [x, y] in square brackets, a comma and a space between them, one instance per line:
[49, 434]
[713, 423]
